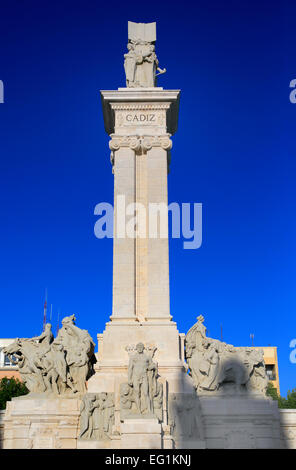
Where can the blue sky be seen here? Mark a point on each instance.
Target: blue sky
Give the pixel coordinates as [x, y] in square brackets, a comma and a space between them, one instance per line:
[234, 152]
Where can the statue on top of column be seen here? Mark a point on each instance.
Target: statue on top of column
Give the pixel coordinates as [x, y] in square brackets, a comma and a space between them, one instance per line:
[140, 62]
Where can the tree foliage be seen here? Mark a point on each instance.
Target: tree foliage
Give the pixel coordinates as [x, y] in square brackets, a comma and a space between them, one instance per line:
[272, 391]
[288, 403]
[9, 388]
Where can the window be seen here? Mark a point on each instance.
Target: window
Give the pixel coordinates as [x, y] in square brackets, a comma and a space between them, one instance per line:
[7, 362]
[4, 360]
[270, 371]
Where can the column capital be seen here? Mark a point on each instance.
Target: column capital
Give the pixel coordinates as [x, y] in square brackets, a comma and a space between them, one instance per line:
[140, 142]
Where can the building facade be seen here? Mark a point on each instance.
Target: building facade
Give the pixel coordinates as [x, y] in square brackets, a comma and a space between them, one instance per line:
[271, 364]
[7, 368]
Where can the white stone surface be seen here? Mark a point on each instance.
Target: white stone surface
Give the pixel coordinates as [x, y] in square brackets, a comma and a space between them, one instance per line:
[41, 423]
[114, 443]
[141, 434]
[230, 423]
[2, 414]
[240, 422]
[288, 428]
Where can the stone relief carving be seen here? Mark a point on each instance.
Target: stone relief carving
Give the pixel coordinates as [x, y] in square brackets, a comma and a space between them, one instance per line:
[97, 416]
[60, 365]
[184, 417]
[140, 62]
[142, 395]
[215, 365]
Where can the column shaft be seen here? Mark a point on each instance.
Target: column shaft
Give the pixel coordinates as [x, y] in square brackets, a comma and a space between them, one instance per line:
[124, 272]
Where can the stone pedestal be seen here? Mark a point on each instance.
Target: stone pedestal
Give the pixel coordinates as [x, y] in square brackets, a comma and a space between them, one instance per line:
[288, 428]
[113, 356]
[41, 423]
[240, 422]
[141, 434]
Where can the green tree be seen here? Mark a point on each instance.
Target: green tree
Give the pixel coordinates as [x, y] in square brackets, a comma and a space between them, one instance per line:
[272, 391]
[9, 388]
[289, 402]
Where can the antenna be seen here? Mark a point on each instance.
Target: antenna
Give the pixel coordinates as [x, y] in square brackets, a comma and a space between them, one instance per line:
[252, 338]
[221, 333]
[50, 313]
[45, 310]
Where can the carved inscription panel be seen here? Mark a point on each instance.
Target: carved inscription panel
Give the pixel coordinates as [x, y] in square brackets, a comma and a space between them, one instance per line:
[141, 118]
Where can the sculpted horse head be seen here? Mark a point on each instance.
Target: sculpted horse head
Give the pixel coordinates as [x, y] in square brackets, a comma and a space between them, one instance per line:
[22, 350]
[13, 349]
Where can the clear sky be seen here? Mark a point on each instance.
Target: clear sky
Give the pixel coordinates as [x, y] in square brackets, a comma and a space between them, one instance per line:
[234, 152]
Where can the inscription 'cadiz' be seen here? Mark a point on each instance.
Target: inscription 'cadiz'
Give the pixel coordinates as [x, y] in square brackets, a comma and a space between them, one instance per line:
[140, 118]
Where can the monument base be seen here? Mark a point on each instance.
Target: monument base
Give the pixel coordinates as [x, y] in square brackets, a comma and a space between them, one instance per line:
[178, 399]
[240, 422]
[41, 423]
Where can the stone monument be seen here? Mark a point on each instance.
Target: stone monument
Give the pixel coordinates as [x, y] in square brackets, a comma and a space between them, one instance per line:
[149, 386]
[231, 384]
[140, 120]
[55, 371]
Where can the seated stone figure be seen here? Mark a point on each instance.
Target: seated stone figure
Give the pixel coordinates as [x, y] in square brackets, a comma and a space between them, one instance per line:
[215, 365]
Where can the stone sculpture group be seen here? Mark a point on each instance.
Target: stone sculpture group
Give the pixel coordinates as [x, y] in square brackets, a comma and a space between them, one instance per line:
[140, 62]
[60, 365]
[141, 65]
[215, 365]
[97, 416]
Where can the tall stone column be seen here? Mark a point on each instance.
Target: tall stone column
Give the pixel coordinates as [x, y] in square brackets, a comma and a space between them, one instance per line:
[140, 123]
[141, 120]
